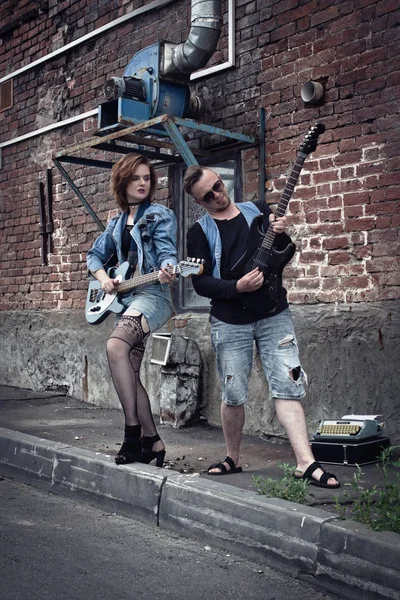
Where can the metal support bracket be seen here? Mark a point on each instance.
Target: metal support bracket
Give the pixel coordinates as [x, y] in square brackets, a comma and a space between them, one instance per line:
[143, 139]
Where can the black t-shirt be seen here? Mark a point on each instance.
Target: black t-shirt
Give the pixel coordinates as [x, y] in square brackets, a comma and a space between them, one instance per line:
[126, 239]
[226, 303]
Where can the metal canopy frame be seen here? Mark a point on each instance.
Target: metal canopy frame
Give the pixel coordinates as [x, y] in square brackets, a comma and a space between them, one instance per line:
[150, 138]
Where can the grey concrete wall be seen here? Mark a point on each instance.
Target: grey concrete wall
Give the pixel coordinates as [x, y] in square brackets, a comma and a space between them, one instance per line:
[350, 353]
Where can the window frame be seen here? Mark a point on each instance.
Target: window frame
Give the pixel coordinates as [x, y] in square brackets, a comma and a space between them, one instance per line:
[178, 193]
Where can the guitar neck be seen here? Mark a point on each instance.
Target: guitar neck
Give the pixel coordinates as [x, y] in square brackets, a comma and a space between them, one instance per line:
[269, 237]
[130, 284]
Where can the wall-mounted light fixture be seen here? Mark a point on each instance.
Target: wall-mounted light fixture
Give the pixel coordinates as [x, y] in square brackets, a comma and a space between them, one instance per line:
[311, 92]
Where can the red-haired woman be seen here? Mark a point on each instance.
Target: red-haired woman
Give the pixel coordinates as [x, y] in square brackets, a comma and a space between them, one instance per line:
[144, 233]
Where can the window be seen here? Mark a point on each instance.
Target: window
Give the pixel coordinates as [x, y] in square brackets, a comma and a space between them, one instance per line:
[6, 95]
[229, 170]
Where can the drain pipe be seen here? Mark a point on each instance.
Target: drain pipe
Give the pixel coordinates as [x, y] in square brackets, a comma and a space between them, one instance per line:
[49, 210]
[183, 59]
[42, 223]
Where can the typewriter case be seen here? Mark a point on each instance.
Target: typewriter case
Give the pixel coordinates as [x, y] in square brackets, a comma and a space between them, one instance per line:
[349, 452]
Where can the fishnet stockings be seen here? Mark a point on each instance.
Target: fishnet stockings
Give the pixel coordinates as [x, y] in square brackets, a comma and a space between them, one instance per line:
[125, 351]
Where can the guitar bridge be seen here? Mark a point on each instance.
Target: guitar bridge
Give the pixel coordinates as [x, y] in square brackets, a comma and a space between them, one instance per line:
[95, 295]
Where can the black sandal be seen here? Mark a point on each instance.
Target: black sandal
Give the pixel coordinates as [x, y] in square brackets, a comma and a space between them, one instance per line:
[323, 481]
[148, 454]
[224, 471]
[131, 446]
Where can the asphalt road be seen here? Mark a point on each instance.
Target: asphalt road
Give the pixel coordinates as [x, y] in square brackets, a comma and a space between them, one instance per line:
[54, 548]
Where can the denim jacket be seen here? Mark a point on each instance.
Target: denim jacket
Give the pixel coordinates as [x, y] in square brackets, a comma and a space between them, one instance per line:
[155, 236]
[208, 225]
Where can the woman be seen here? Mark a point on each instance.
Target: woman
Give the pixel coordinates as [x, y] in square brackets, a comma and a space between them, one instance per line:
[145, 234]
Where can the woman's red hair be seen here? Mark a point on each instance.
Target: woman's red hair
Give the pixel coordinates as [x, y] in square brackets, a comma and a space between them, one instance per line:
[122, 173]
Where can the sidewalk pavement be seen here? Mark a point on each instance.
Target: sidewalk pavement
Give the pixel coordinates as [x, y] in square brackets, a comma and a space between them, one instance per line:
[64, 445]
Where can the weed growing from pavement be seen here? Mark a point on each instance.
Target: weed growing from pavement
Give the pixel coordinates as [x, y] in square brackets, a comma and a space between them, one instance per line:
[287, 488]
[377, 508]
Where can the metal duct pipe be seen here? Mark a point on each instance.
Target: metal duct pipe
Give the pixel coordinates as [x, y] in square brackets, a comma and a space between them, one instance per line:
[202, 41]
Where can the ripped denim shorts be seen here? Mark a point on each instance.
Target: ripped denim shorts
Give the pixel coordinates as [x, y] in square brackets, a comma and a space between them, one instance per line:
[277, 346]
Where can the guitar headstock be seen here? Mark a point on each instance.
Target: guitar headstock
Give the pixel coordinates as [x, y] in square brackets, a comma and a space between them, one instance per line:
[190, 266]
[309, 143]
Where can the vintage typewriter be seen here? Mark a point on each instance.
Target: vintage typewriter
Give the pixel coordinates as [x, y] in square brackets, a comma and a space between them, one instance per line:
[354, 428]
[352, 440]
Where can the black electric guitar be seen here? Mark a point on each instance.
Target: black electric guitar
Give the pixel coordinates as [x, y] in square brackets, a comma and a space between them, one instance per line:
[261, 252]
[99, 304]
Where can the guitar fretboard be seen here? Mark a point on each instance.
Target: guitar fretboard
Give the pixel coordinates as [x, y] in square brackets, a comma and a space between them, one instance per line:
[270, 236]
[129, 284]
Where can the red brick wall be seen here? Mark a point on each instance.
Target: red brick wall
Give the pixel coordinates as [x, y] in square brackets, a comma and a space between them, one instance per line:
[345, 209]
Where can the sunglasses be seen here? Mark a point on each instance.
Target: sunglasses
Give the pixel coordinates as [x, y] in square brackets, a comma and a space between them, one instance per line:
[216, 189]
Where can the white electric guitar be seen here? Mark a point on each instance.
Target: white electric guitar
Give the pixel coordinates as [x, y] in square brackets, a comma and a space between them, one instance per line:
[99, 304]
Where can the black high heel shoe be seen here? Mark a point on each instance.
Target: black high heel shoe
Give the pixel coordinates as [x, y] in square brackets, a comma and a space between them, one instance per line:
[131, 448]
[148, 453]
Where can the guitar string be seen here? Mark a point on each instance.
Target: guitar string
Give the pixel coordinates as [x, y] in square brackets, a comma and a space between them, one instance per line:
[181, 268]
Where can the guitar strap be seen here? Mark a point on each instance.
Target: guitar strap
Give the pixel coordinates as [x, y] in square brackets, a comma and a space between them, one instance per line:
[132, 260]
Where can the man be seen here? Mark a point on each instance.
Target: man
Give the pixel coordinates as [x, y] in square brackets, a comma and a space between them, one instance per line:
[222, 238]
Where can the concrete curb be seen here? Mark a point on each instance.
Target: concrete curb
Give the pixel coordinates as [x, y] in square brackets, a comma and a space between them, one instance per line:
[343, 556]
[354, 560]
[132, 490]
[260, 528]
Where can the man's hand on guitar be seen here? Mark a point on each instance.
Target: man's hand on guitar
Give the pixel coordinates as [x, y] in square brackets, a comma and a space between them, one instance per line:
[251, 282]
[278, 224]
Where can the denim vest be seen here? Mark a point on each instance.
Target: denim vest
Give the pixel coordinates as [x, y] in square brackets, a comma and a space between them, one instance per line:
[208, 225]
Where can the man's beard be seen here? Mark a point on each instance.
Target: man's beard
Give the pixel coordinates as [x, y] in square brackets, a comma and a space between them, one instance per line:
[223, 206]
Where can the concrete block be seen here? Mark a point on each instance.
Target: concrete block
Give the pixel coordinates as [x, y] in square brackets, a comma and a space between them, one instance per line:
[357, 562]
[268, 530]
[132, 489]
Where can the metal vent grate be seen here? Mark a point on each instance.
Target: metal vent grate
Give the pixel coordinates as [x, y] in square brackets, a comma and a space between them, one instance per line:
[6, 95]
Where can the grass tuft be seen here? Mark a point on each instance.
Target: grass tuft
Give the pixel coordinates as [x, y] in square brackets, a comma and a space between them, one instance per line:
[287, 488]
[379, 508]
